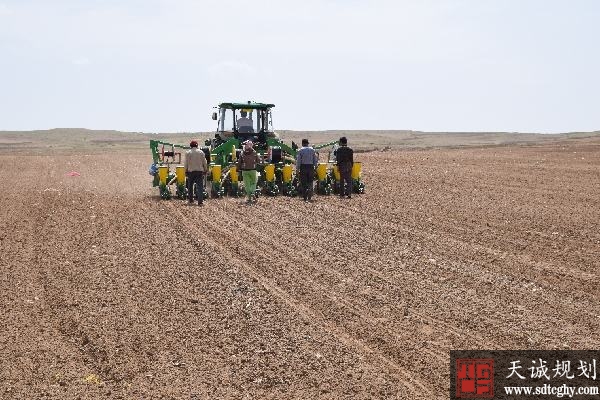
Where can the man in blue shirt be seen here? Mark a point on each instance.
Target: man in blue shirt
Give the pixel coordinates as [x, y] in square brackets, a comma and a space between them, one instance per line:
[306, 161]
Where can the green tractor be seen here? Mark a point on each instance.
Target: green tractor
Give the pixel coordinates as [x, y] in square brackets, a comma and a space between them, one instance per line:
[236, 123]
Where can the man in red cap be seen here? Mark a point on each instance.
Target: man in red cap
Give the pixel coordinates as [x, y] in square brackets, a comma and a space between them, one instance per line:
[195, 170]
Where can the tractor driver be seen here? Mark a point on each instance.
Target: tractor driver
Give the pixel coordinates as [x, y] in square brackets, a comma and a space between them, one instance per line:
[244, 121]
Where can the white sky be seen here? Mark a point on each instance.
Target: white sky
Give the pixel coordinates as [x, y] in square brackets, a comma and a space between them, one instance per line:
[160, 65]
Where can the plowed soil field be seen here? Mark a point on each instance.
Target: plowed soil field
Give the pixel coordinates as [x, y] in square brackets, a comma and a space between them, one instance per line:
[109, 292]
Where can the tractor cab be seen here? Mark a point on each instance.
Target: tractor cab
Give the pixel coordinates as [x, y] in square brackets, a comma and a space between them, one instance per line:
[243, 121]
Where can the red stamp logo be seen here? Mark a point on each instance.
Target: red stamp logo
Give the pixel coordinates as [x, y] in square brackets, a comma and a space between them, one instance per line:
[474, 378]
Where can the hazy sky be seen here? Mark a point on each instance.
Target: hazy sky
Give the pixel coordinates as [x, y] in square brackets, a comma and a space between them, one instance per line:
[159, 65]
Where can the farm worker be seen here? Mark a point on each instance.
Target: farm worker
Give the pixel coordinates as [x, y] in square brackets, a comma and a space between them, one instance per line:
[247, 163]
[195, 170]
[306, 161]
[244, 120]
[344, 156]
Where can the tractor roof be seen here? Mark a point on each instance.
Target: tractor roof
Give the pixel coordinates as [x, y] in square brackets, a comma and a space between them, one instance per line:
[252, 106]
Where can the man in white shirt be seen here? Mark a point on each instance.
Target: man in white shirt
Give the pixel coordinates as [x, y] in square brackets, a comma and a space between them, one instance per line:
[244, 120]
[195, 170]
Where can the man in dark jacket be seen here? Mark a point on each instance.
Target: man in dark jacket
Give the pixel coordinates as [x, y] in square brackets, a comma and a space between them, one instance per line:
[344, 156]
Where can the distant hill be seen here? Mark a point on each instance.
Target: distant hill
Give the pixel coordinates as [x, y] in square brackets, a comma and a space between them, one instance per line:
[64, 139]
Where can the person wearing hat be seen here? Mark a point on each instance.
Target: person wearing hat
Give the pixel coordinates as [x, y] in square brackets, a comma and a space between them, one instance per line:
[247, 163]
[344, 157]
[195, 170]
[306, 161]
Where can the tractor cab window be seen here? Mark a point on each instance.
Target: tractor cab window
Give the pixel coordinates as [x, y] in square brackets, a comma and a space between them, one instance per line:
[226, 120]
[239, 120]
[244, 123]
